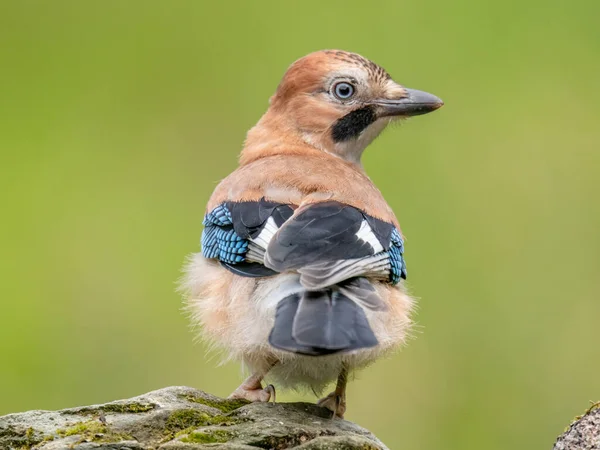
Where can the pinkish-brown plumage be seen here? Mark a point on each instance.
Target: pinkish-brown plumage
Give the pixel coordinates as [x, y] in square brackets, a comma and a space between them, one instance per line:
[299, 178]
[298, 235]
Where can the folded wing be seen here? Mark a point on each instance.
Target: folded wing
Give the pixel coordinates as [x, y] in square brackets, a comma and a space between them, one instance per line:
[326, 243]
[330, 242]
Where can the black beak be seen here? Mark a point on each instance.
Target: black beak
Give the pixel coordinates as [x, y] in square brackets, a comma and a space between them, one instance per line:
[415, 103]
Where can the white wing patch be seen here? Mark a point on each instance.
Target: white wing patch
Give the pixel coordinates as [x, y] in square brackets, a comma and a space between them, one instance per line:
[327, 273]
[258, 246]
[322, 274]
[365, 234]
[266, 234]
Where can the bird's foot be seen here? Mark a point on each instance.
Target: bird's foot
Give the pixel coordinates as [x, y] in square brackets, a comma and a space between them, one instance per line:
[335, 403]
[255, 393]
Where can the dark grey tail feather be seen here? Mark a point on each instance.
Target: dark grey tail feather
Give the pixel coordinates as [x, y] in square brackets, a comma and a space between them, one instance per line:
[362, 292]
[320, 323]
[324, 319]
[281, 334]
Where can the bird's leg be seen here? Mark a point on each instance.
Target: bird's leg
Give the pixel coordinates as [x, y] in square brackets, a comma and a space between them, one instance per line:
[336, 401]
[251, 389]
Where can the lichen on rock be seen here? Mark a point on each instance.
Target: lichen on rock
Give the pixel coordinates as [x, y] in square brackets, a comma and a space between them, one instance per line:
[583, 433]
[181, 418]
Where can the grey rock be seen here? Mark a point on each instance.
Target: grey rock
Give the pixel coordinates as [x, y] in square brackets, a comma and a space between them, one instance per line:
[182, 418]
[583, 433]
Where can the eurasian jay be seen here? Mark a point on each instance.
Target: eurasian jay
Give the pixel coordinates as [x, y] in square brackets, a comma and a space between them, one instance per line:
[301, 271]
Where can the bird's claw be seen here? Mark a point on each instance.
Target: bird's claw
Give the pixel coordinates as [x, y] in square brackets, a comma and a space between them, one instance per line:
[271, 390]
[255, 394]
[335, 403]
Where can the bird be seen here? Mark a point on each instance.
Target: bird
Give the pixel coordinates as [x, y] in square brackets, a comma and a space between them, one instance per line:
[301, 273]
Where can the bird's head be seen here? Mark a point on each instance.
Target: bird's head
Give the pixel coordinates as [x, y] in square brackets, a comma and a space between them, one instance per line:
[339, 102]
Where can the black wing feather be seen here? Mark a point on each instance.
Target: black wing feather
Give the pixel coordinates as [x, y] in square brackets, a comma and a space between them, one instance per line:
[249, 217]
[322, 232]
[249, 269]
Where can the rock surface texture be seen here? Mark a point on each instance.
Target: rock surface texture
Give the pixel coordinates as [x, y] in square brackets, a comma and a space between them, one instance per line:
[583, 433]
[184, 418]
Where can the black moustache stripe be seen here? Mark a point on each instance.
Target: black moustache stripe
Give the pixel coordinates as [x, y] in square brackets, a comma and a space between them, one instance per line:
[352, 124]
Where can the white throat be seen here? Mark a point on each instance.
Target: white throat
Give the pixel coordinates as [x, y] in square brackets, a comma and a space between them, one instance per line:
[352, 149]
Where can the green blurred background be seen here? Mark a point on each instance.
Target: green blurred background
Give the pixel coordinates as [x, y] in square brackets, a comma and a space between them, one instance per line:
[119, 117]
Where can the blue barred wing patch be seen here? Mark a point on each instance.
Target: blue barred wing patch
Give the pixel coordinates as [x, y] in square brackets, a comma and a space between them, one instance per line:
[230, 227]
[219, 239]
[396, 251]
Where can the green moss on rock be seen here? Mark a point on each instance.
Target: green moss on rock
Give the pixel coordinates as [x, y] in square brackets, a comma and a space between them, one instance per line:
[115, 408]
[91, 426]
[19, 439]
[181, 417]
[128, 408]
[225, 405]
[593, 406]
[183, 422]
[186, 418]
[207, 437]
[93, 431]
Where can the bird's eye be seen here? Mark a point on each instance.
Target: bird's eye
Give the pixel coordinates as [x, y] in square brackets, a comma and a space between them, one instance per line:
[343, 90]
